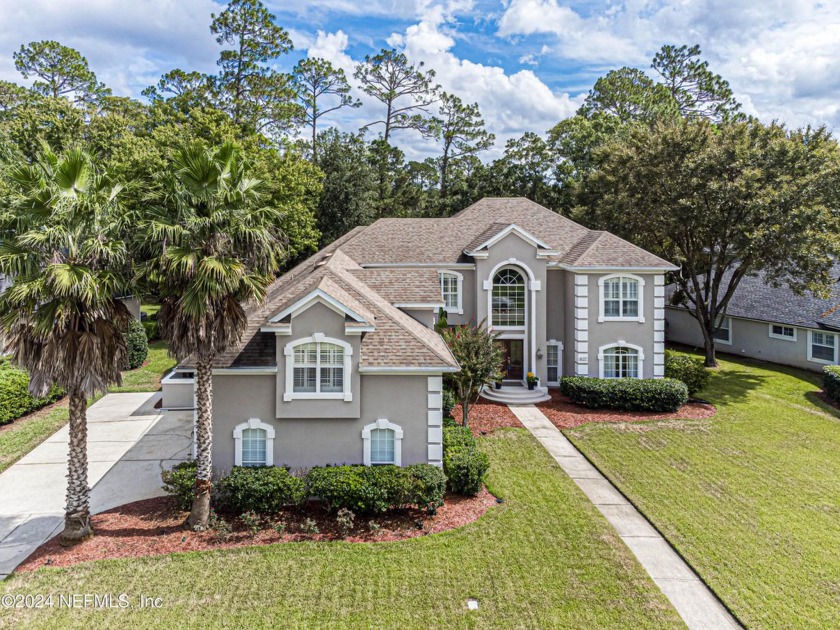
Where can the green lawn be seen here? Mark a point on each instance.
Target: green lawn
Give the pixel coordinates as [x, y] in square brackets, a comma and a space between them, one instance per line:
[544, 559]
[751, 497]
[24, 434]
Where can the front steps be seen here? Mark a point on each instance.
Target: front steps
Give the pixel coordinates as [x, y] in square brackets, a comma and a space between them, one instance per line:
[515, 394]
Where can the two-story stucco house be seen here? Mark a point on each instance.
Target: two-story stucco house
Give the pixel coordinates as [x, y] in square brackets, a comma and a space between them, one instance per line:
[342, 364]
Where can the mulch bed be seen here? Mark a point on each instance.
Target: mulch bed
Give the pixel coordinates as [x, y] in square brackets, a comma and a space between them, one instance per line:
[566, 415]
[155, 527]
[486, 416]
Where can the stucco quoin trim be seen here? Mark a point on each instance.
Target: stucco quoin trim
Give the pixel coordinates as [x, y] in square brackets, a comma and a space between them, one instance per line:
[383, 423]
[581, 325]
[253, 423]
[659, 326]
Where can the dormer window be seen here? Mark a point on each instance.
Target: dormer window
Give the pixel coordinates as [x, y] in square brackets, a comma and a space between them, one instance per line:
[318, 367]
[450, 290]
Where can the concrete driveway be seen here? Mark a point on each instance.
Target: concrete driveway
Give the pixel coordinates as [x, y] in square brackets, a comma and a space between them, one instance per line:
[129, 443]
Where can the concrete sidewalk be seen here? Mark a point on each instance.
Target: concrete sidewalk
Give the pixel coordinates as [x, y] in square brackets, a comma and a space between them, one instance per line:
[129, 442]
[696, 604]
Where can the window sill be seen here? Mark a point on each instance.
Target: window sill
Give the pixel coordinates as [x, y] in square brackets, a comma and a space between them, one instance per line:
[345, 396]
[640, 320]
[453, 311]
[822, 361]
[780, 338]
[722, 342]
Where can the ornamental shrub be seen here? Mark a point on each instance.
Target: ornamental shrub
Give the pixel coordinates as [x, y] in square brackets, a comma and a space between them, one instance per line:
[626, 394]
[689, 370]
[831, 382]
[448, 402]
[465, 469]
[377, 489]
[263, 490]
[428, 485]
[151, 328]
[458, 436]
[15, 399]
[138, 344]
[180, 483]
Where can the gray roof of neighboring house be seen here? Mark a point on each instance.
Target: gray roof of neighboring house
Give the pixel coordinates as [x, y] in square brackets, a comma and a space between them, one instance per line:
[756, 299]
[398, 340]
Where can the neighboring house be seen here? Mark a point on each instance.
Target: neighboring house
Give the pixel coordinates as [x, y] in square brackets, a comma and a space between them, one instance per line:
[341, 364]
[769, 323]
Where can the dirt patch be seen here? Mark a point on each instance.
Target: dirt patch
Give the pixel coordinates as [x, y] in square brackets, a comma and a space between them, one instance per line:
[566, 415]
[154, 527]
[486, 417]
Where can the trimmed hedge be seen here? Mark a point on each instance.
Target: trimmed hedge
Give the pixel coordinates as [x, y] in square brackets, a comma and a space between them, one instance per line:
[464, 465]
[626, 394]
[689, 370]
[151, 328]
[15, 399]
[264, 490]
[138, 344]
[831, 382]
[180, 482]
[376, 489]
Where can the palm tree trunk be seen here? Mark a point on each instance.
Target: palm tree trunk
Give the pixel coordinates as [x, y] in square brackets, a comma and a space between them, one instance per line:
[200, 514]
[77, 512]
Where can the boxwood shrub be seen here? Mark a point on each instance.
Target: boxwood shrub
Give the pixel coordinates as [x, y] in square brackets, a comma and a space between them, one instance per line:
[138, 344]
[464, 465]
[263, 490]
[377, 489]
[180, 483]
[15, 399]
[831, 382]
[689, 370]
[627, 394]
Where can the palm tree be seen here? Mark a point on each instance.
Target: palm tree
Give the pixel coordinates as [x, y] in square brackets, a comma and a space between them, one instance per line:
[61, 246]
[209, 246]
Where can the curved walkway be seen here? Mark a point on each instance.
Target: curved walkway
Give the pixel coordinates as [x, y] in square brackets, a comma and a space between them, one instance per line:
[129, 442]
[696, 604]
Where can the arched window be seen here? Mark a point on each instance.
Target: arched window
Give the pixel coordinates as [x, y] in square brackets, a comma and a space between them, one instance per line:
[382, 443]
[318, 367]
[254, 443]
[508, 306]
[620, 362]
[621, 298]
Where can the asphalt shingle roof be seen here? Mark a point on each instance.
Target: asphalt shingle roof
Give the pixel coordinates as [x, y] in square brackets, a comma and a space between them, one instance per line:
[757, 299]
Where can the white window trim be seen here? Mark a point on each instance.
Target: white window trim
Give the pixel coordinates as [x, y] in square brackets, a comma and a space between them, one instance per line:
[382, 423]
[289, 350]
[725, 342]
[782, 337]
[641, 283]
[559, 344]
[811, 343]
[621, 344]
[459, 310]
[253, 423]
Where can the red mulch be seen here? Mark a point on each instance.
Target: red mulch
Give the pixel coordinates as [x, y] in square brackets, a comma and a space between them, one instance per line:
[566, 415]
[155, 527]
[486, 416]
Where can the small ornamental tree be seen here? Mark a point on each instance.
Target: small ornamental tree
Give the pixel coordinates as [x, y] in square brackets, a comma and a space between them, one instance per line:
[480, 358]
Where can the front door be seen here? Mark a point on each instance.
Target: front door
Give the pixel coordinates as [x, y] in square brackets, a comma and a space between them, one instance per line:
[512, 366]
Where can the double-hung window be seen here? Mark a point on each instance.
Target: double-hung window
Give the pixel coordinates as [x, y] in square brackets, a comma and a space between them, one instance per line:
[318, 367]
[621, 298]
[723, 334]
[450, 289]
[822, 347]
[552, 363]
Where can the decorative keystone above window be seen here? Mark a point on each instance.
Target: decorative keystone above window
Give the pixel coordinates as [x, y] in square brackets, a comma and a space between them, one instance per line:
[621, 298]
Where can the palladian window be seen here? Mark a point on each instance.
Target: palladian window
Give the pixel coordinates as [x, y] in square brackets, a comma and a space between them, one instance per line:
[508, 306]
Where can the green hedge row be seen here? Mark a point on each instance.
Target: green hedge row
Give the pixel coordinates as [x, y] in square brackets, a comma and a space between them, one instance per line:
[464, 465]
[626, 394]
[15, 399]
[362, 489]
[831, 382]
[138, 344]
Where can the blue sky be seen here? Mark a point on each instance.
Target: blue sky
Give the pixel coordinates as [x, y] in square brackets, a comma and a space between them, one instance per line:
[528, 63]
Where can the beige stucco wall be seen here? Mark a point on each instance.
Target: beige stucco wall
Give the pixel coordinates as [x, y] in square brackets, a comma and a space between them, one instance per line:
[468, 296]
[611, 332]
[749, 338]
[317, 441]
[427, 317]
